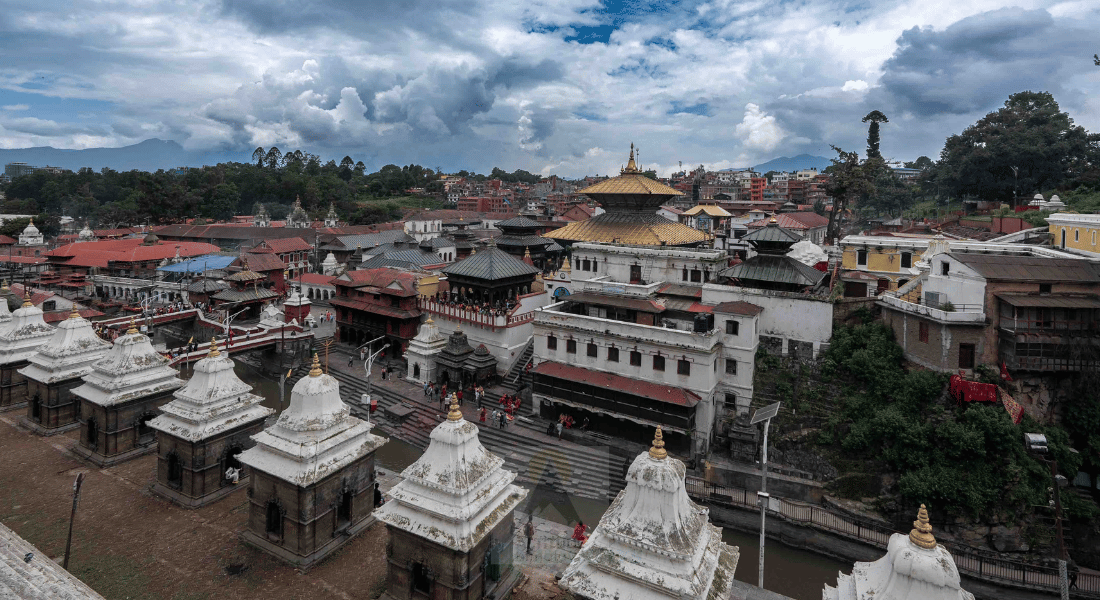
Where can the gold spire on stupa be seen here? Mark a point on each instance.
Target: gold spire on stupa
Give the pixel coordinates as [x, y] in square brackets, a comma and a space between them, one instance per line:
[921, 535]
[315, 370]
[631, 166]
[565, 266]
[429, 321]
[27, 299]
[657, 451]
[133, 327]
[455, 414]
[75, 314]
[214, 352]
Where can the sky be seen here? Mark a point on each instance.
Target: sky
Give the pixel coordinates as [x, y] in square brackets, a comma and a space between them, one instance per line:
[547, 86]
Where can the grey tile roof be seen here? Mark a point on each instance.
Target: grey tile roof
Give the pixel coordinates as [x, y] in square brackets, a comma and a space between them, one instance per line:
[366, 240]
[523, 241]
[490, 264]
[208, 286]
[774, 269]
[519, 223]
[1029, 268]
[248, 295]
[772, 234]
[438, 242]
[401, 258]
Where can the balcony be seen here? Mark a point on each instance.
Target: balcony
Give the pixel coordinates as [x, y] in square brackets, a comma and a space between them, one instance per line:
[962, 314]
[552, 318]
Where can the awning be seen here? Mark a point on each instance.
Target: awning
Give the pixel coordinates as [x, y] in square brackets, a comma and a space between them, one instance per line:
[1048, 301]
[641, 304]
[199, 264]
[638, 420]
[636, 387]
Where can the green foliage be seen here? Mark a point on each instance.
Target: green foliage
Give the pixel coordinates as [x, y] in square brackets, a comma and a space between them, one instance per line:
[875, 117]
[850, 178]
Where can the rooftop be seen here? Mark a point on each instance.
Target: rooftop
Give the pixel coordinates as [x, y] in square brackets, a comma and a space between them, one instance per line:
[633, 229]
[490, 264]
[1030, 268]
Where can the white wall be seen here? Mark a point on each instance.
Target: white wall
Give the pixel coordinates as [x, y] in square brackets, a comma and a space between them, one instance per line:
[786, 316]
[658, 264]
[961, 285]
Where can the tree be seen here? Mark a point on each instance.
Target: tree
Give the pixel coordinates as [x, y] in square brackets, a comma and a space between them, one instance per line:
[258, 156]
[849, 178]
[922, 163]
[1029, 133]
[875, 117]
[273, 157]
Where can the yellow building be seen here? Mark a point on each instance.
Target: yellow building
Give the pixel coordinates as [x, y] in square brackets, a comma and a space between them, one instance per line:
[1070, 231]
[871, 265]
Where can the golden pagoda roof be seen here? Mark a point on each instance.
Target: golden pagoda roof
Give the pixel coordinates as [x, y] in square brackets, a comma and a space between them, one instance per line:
[631, 183]
[710, 209]
[629, 229]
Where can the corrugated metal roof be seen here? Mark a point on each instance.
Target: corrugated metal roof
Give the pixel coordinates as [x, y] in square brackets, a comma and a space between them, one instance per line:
[490, 264]
[520, 222]
[774, 269]
[1029, 268]
[200, 264]
[248, 295]
[618, 383]
[636, 229]
[1050, 301]
[772, 234]
[642, 304]
[523, 241]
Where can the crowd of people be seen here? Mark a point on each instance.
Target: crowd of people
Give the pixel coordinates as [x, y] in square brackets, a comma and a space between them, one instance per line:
[481, 307]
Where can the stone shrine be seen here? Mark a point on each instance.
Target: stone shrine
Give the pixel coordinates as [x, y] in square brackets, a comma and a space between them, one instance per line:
[55, 370]
[450, 520]
[653, 541]
[915, 568]
[19, 340]
[422, 352]
[312, 487]
[296, 308]
[201, 433]
[120, 396]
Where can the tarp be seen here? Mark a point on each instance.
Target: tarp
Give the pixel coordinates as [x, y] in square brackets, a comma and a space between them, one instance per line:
[200, 264]
[976, 391]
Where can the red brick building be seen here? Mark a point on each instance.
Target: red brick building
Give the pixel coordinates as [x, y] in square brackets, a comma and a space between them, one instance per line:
[294, 253]
[374, 303]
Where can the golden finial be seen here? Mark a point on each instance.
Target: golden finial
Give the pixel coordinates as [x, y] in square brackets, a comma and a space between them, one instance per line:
[458, 328]
[27, 299]
[133, 327]
[921, 535]
[774, 220]
[5, 288]
[527, 252]
[455, 414]
[429, 321]
[315, 370]
[75, 314]
[214, 352]
[658, 449]
[565, 266]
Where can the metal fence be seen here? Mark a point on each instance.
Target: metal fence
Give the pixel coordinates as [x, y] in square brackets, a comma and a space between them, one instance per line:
[972, 562]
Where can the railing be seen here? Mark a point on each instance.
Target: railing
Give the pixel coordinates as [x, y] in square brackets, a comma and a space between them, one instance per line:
[962, 313]
[972, 562]
[457, 312]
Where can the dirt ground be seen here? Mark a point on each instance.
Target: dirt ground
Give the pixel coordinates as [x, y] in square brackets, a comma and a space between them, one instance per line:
[131, 545]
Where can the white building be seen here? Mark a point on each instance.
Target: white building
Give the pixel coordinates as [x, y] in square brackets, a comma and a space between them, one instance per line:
[915, 568]
[422, 351]
[31, 236]
[653, 541]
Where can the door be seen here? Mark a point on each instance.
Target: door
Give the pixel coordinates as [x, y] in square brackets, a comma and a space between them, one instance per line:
[966, 356]
[635, 273]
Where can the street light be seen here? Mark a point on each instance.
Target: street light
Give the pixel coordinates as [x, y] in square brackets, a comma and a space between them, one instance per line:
[368, 363]
[1036, 443]
[763, 414]
[282, 384]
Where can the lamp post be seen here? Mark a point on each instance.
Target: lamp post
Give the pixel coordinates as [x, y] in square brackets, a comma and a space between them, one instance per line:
[1015, 183]
[763, 414]
[1036, 443]
[282, 384]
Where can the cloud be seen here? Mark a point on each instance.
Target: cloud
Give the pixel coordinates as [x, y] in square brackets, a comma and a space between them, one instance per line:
[857, 85]
[759, 131]
[14, 107]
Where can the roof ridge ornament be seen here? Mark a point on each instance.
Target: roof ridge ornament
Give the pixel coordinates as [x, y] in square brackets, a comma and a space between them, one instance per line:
[657, 451]
[921, 535]
[631, 166]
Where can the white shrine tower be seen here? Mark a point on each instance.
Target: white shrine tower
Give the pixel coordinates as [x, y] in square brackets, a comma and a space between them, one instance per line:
[422, 351]
[19, 339]
[653, 541]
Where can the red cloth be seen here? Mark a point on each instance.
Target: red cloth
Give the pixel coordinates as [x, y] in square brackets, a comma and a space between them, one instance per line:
[1004, 372]
[578, 533]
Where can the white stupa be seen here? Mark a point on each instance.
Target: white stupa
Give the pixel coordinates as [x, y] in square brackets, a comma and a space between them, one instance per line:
[422, 350]
[5, 312]
[329, 265]
[915, 568]
[212, 402]
[807, 253]
[653, 541]
[70, 352]
[26, 332]
[314, 437]
[31, 236]
[131, 369]
[86, 234]
[456, 493]
[271, 317]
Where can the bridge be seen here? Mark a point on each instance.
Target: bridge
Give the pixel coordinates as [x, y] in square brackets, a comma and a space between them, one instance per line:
[152, 320]
[248, 341]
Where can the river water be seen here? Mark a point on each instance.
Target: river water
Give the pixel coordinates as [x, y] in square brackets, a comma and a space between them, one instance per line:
[789, 571]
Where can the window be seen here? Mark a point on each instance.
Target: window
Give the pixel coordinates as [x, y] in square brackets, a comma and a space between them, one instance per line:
[587, 265]
[658, 363]
[731, 400]
[592, 350]
[945, 268]
[422, 580]
[861, 258]
[1076, 235]
[906, 260]
[683, 367]
[635, 358]
[684, 274]
[731, 366]
[551, 342]
[612, 354]
[571, 346]
[696, 276]
[966, 356]
[595, 267]
[1044, 288]
[732, 327]
[923, 332]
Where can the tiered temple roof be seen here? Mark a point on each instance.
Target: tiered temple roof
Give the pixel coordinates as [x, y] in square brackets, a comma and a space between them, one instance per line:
[214, 400]
[70, 353]
[314, 437]
[653, 541]
[26, 332]
[130, 369]
[456, 492]
[915, 568]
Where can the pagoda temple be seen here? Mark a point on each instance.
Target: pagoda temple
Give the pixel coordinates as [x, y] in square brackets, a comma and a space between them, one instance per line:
[55, 370]
[450, 520]
[771, 268]
[653, 541]
[312, 487]
[201, 433]
[915, 568]
[521, 239]
[120, 396]
[247, 292]
[631, 201]
[19, 340]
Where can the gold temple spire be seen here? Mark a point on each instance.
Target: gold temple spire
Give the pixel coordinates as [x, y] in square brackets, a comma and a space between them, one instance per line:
[27, 298]
[455, 414]
[75, 314]
[315, 370]
[214, 352]
[565, 266]
[429, 321]
[631, 166]
[921, 535]
[133, 327]
[657, 451]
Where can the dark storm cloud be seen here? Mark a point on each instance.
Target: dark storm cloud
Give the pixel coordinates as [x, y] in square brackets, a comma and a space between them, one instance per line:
[977, 62]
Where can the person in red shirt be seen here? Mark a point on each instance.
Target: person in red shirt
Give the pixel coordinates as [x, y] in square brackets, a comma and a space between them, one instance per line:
[579, 532]
[482, 414]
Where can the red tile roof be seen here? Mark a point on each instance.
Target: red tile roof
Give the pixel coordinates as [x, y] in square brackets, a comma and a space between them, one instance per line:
[381, 278]
[57, 316]
[29, 260]
[315, 279]
[795, 220]
[738, 308]
[6, 240]
[281, 245]
[378, 309]
[260, 263]
[607, 381]
[97, 254]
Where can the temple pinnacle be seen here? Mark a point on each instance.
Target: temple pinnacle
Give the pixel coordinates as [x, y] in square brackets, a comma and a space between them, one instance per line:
[658, 450]
[214, 352]
[315, 371]
[921, 535]
[133, 327]
[455, 414]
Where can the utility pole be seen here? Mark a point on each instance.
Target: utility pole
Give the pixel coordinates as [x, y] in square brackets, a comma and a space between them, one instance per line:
[72, 517]
[763, 414]
[1036, 443]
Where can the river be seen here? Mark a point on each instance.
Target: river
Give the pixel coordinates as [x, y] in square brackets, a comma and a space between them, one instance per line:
[789, 571]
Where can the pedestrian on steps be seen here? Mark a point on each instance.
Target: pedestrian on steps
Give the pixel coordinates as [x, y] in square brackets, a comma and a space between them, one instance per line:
[529, 531]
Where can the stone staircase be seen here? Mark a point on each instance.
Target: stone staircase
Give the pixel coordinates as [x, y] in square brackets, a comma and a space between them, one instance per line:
[516, 376]
[583, 471]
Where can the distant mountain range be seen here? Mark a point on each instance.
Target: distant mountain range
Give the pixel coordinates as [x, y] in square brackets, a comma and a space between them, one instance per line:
[793, 163]
[150, 155]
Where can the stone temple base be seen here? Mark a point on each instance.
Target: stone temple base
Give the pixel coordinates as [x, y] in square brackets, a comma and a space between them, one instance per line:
[304, 563]
[175, 497]
[37, 428]
[109, 461]
[11, 407]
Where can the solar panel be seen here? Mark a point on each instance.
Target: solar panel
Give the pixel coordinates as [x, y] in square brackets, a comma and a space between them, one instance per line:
[763, 414]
